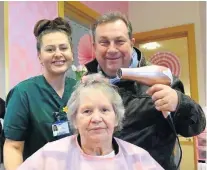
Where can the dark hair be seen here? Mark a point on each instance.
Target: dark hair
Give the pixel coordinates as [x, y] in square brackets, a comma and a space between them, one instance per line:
[2, 108]
[111, 17]
[46, 26]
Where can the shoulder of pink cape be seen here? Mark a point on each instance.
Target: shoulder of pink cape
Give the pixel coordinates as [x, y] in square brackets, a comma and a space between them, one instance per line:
[130, 148]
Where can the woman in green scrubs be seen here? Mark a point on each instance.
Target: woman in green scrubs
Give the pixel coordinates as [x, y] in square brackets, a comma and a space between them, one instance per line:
[38, 103]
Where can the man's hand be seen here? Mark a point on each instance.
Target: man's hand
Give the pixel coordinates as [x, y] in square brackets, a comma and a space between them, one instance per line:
[165, 98]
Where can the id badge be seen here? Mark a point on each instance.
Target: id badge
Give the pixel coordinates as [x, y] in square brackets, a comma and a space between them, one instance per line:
[60, 128]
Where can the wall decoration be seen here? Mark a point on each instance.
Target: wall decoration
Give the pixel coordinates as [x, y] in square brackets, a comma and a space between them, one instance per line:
[167, 59]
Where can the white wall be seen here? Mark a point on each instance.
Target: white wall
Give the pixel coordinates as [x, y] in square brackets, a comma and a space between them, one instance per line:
[203, 64]
[147, 16]
[2, 53]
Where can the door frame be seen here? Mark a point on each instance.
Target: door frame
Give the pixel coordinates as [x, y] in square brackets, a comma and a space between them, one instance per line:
[172, 33]
[78, 12]
[188, 31]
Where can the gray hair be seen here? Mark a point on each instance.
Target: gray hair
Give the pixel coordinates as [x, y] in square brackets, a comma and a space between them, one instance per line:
[109, 18]
[96, 82]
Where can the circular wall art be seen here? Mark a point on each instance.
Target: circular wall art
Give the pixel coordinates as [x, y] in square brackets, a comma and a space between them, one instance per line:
[167, 59]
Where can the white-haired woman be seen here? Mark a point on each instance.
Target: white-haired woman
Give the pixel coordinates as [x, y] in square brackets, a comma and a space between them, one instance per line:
[95, 112]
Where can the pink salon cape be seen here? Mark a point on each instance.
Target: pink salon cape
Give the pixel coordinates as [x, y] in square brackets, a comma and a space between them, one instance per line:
[66, 154]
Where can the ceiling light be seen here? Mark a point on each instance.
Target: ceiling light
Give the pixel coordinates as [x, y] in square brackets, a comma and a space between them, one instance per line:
[151, 45]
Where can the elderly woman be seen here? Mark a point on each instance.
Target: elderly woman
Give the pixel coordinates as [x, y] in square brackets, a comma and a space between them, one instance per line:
[95, 112]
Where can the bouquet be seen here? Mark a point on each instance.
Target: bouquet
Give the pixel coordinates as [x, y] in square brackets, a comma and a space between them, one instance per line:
[80, 71]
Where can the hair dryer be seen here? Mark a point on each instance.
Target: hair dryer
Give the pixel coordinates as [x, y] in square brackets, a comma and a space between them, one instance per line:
[148, 75]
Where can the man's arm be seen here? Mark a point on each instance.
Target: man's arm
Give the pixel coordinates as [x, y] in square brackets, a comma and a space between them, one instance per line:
[189, 118]
[13, 151]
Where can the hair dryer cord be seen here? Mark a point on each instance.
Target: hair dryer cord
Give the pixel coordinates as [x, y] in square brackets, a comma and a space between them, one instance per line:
[170, 121]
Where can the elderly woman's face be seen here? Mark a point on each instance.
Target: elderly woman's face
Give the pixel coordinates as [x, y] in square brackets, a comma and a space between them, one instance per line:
[95, 118]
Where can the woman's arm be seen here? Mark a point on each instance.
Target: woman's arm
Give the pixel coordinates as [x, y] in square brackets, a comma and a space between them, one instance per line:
[34, 162]
[13, 151]
[16, 122]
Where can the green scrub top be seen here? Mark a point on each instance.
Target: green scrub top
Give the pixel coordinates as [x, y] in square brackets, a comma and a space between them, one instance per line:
[30, 112]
